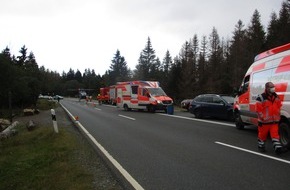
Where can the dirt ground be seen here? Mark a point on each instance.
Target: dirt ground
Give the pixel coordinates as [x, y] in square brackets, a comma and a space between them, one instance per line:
[88, 156]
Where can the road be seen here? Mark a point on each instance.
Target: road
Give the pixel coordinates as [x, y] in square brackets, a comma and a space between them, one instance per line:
[177, 151]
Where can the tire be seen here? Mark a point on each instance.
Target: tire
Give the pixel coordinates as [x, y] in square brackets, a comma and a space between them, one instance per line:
[238, 121]
[284, 132]
[231, 116]
[198, 114]
[151, 109]
[126, 108]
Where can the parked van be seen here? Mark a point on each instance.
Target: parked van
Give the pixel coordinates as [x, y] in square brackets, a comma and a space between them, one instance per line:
[142, 95]
[274, 66]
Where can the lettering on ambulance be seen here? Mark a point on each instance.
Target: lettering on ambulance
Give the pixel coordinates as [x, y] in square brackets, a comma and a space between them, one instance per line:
[282, 74]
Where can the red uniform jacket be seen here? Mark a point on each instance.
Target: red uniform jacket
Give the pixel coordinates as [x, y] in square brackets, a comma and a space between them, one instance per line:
[268, 108]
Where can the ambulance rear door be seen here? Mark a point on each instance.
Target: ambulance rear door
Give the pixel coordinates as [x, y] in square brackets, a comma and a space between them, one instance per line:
[119, 103]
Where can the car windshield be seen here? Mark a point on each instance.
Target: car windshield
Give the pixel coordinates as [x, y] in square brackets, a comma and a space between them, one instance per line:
[229, 99]
[156, 92]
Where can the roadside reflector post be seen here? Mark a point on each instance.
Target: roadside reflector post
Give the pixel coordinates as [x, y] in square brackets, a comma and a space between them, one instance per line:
[54, 120]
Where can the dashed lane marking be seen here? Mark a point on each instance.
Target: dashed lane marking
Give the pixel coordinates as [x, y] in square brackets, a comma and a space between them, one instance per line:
[200, 120]
[253, 152]
[131, 118]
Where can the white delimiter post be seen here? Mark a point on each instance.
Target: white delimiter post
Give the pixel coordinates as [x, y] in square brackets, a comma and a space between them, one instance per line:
[54, 120]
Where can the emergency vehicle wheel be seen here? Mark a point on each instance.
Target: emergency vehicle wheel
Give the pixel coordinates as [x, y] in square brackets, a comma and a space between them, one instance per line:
[126, 108]
[238, 121]
[151, 109]
[284, 132]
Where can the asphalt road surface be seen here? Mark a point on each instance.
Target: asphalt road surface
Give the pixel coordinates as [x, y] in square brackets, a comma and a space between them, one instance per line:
[177, 151]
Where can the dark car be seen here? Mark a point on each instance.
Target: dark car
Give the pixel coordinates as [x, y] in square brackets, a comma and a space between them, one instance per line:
[212, 105]
[185, 103]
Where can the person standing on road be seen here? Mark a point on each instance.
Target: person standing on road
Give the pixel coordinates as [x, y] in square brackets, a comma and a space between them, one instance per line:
[268, 108]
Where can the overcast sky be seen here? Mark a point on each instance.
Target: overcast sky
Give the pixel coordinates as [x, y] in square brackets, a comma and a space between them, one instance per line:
[82, 34]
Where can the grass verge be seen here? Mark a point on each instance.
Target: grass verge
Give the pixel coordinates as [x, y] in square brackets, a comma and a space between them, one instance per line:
[42, 159]
[44, 104]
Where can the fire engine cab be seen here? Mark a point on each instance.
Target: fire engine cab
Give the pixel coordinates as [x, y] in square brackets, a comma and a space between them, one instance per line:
[142, 95]
[270, 66]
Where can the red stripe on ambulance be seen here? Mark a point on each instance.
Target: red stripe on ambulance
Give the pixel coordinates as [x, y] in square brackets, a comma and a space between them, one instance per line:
[259, 67]
[284, 65]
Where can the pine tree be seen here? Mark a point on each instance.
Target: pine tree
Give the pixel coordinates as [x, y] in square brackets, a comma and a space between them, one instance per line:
[188, 58]
[238, 55]
[202, 66]
[119, 70]
[78, 76]
[283, 24]
[174, 78]
[22, 58]
[146, 60]
[71, 74]
[166, 67]
[255, 39]
[272, 32]
[7, 76]
[215, 62]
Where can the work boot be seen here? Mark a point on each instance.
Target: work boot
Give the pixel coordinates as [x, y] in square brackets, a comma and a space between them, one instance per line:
[261, 146]
[277, 146]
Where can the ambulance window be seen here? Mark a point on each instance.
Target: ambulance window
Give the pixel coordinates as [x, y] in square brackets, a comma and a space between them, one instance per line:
[134, 89]
[259, 81]
[145, 92]
[245, 85]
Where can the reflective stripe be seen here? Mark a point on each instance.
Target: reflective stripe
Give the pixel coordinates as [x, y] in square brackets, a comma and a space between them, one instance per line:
[261, 143]
[276, 144]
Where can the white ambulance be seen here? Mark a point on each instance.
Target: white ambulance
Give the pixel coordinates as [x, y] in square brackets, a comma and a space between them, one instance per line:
[142, 95]
[274, 66]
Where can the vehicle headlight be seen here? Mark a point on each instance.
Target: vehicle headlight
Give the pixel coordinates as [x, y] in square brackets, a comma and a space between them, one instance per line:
[159, 102]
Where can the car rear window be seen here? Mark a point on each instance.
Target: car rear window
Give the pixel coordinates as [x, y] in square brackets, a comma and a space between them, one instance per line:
[229, 99]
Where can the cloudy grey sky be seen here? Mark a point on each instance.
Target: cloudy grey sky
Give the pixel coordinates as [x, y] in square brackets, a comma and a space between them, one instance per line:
[82, 34]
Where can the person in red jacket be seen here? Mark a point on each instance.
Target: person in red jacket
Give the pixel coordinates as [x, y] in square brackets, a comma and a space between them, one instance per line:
[268, 108]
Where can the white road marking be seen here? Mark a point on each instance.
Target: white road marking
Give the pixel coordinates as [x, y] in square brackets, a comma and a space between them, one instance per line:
[127, 117]
[98, 109]
[201, 120]
[118, 166]
[252, 152]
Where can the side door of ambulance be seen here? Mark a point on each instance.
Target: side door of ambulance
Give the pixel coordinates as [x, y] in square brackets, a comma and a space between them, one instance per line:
[244, 99]
[119, 102]
[134, 96]
[143, 96]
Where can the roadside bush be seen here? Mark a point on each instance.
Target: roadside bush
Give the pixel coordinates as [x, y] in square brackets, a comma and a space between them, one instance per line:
[44, 104]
